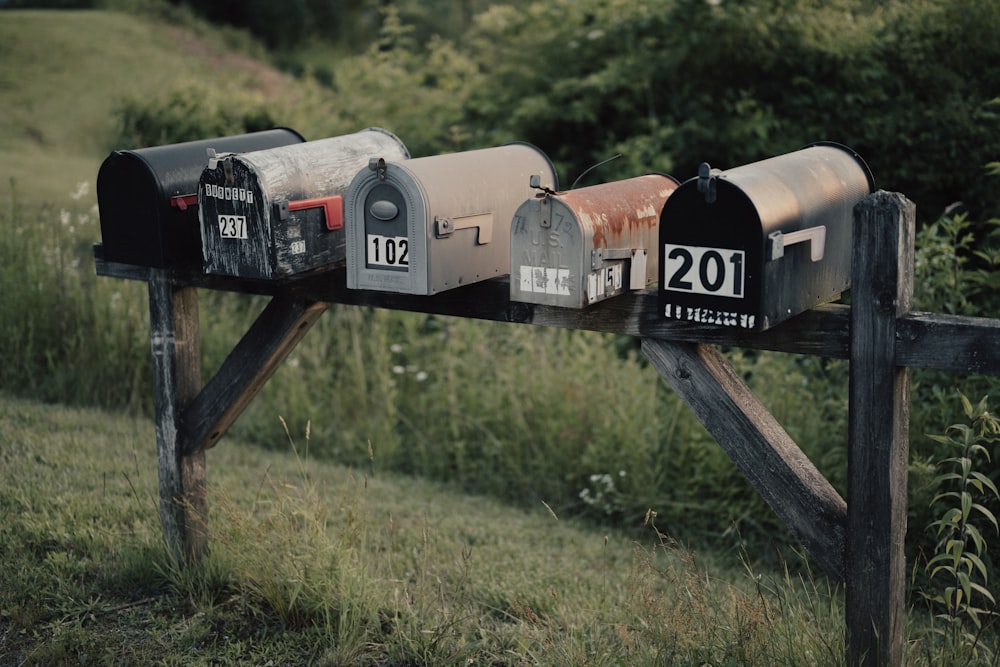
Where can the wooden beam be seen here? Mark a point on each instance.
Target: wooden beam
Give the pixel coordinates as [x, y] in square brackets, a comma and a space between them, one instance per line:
[758, 445]
[878, 431]
[924, 340]
[274, 334]
[176, 350]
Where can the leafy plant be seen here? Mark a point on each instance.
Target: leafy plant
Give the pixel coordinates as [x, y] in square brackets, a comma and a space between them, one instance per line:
[959, 562]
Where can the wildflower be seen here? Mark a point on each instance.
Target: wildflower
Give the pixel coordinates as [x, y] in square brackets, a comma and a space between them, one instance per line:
[82, 188]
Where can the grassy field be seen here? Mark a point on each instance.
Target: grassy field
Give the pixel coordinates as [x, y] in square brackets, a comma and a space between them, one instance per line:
[66, 72]
[316, 563]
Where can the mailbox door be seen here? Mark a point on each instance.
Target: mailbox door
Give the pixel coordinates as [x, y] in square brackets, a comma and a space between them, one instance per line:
[386, 225]
[710, 258]
[148, 198]
[547, 254]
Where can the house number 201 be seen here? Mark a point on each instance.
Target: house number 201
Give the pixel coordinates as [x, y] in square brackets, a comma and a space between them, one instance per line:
[700, 270]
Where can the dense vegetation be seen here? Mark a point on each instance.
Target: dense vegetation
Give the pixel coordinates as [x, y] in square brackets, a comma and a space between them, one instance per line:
[575, 420]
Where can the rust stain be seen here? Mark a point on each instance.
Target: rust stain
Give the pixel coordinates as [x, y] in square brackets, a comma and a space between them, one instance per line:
[617, 211]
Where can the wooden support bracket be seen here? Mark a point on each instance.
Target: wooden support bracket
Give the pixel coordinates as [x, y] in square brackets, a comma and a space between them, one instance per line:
[275, 333]
[758, 445]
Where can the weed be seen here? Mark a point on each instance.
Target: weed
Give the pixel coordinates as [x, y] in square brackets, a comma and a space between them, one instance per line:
[958, 575]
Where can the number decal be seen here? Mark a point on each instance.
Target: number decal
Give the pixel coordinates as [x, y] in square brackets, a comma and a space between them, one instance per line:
[233, 226]
[388, 251]
[698, 270]
[677, 282]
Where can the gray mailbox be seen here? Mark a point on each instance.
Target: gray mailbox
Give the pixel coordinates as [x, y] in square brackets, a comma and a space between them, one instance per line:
[753, 246]
[148, 198]
[279, 212]
[434, 223]
[579, 247]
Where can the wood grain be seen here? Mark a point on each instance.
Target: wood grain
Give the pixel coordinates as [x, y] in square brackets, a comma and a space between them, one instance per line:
[176, 351]
[878, 431]
[758, 445]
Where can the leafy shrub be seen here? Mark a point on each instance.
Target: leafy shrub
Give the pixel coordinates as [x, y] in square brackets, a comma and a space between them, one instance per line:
[190, 110]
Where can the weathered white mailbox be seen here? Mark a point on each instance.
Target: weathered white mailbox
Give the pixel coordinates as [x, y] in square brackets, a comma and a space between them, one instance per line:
[753, 246]
[434, 223]
[279, 212]
[579, 247]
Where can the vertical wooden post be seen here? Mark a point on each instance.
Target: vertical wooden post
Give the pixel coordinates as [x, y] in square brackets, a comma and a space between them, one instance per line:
[878, 432]
[176, 347]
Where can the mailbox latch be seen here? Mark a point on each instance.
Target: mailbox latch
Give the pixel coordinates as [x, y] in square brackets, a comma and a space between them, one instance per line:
[815, 236]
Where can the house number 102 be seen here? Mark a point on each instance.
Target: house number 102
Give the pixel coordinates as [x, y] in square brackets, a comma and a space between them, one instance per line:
[700, 270]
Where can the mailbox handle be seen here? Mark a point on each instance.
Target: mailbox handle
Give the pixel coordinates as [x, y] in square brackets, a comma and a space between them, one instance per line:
[815, 236]
[333, 209]
[445, 226]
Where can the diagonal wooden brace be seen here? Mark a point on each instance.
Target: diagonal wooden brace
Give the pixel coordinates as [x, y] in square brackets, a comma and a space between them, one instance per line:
[758, 445]
[275, 333]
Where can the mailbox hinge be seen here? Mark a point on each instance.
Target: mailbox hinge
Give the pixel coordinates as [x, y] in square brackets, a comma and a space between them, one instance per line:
[815, 236]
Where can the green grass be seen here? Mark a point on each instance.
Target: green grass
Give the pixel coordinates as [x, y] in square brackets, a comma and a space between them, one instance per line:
[66, 72]
[312, 561]
[315, 563]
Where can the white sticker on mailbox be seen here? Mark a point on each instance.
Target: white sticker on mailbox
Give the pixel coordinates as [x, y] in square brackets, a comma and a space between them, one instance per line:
[233, 226]
[390, 251]
[700, 270]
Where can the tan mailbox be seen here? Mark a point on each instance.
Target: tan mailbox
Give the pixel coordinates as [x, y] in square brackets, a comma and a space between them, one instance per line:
[275, 213]
[576, 248]
[435, 223]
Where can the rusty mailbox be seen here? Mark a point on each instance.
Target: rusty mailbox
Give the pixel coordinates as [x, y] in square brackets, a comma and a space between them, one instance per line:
[148, 198]
[576, 248]
[434, 223]
[753, 246]
[276, 213]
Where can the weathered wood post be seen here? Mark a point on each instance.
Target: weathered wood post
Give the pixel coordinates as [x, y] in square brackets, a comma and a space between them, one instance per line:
[176, 348]
[878, 431]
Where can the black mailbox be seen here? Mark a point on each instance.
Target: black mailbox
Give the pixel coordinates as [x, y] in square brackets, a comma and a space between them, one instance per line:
[279, 212]
[753, 246]
[148, 198]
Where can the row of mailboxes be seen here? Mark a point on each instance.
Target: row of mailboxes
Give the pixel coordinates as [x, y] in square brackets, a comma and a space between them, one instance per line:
[748, 247]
